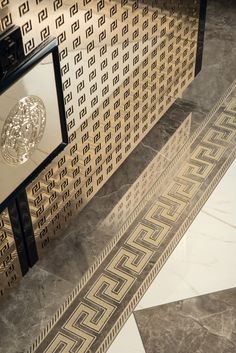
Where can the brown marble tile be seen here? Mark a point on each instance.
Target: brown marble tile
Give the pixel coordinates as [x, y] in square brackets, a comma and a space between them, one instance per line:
[28, 308]
[197, 325]
[218, 70]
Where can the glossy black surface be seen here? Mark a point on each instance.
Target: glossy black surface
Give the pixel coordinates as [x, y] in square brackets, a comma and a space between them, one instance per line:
[11, 50]
[27, 229]
[18, 236]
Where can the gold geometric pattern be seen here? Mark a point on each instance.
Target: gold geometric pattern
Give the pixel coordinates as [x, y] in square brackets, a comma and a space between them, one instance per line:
[123, 64]
[103, 304]
[10, 271]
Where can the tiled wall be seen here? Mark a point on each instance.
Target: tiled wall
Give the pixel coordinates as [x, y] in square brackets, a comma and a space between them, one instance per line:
[123, 64]
[10, 269]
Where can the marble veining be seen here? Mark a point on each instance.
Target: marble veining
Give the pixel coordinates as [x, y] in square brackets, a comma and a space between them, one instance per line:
[137, 253]
[221, 205]
[201, 263]
[197, 325]
[27, 310]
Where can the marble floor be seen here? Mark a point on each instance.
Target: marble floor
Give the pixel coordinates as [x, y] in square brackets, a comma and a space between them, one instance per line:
[203, 260]
[142, 230]
[201, 324]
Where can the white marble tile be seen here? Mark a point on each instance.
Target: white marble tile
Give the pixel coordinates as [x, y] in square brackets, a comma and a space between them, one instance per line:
[128, 339]
[222, 202]
[203, 262]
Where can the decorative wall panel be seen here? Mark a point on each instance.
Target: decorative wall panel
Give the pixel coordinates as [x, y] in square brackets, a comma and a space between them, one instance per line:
[10, 267]
[123, 64]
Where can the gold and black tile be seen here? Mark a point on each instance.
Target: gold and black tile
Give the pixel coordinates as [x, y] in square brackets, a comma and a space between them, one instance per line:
[123, 65]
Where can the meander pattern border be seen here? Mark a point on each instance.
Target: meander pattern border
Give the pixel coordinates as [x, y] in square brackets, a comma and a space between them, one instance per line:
[215, 143]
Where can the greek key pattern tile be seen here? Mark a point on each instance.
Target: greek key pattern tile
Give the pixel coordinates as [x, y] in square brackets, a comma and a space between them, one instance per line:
[94, 314]
[123, 64]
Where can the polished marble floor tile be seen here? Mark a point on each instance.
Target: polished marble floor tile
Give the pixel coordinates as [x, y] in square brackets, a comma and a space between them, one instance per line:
[203, 261]
[26, 311]
[220, 45]
[222, 203]
[128, 340]
[201, 324]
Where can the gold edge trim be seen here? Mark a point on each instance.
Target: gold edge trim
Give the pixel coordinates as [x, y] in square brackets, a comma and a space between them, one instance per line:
[116, 238]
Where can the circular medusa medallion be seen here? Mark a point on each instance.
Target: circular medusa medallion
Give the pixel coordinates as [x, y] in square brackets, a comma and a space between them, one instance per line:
[23, 129]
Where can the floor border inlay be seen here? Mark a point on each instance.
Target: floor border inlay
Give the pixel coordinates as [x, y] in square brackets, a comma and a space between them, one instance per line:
[94, 313]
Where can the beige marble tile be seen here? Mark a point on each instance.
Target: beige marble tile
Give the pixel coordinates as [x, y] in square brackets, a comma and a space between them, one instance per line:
[128, 340]
[222, 203]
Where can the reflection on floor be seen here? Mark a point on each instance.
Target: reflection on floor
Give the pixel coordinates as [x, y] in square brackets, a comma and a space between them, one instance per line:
[203, 262]
[145, 237]
[30, 306]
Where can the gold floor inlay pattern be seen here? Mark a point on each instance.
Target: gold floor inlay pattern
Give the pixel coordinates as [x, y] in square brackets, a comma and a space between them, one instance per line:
[100, 305]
